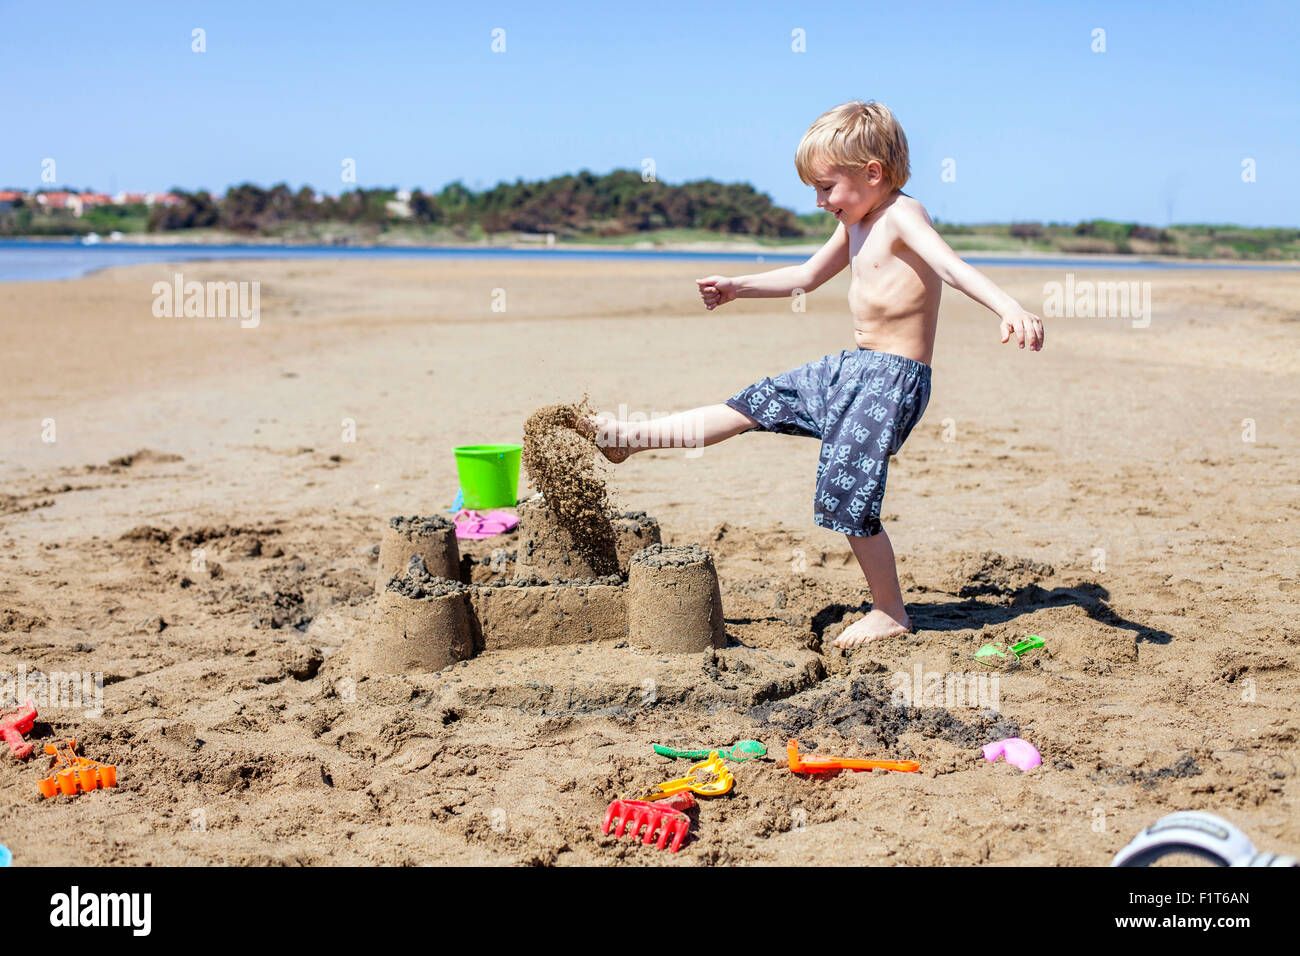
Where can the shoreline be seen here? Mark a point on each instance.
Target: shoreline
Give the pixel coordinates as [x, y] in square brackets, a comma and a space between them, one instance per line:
[722, 246]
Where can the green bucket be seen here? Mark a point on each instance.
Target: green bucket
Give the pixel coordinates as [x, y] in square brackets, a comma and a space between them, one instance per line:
[489, 475]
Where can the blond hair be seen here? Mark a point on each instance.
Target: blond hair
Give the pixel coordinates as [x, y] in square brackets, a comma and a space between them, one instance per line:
[851, 135]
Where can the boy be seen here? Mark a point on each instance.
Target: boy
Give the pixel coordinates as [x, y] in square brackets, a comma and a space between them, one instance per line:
[861, 403]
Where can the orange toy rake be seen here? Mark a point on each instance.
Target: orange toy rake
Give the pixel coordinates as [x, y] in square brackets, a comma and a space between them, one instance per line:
[73, 774]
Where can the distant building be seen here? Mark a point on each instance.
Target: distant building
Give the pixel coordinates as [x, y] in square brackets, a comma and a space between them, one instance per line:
[8, 197]
[147, 199]
[78, 203]
[60, 199]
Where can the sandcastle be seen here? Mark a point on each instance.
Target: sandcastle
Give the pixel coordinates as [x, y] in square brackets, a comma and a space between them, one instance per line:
[437, 606]
[433, 539]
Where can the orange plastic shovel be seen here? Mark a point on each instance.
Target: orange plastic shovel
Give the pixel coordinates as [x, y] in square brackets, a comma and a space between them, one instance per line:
[800, 764]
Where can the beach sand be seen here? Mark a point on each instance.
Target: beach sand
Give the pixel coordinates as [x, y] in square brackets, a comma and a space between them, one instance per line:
[202, 532]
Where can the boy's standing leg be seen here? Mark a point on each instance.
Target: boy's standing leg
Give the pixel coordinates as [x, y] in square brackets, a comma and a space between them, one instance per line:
[888, 617]
[869, 420]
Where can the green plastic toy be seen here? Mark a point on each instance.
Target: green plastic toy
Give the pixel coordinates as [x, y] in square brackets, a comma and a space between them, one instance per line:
[987, 653]
[742, 751]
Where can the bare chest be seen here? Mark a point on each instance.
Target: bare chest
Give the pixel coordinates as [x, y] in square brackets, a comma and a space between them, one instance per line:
[877, 271]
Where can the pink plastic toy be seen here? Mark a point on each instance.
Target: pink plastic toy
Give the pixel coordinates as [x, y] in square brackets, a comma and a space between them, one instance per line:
[477, 525]
[1019, 753]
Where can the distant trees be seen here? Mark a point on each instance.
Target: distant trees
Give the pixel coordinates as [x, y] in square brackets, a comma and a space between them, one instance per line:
[572, 205]
[196, 211]
[1120, 231]
[583, 204]
[426, 210]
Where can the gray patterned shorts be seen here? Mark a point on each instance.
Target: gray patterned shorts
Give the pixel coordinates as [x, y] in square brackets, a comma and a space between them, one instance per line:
[862, 404]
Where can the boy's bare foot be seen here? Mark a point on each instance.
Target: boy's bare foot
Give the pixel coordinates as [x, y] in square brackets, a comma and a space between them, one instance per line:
[874, 626]
[607, 432]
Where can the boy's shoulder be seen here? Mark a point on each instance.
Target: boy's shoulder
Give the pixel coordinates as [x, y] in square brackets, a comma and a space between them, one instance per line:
[905, 206]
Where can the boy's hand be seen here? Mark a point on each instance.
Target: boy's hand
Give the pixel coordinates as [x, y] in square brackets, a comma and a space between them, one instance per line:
[716, 290]
[1027, 327]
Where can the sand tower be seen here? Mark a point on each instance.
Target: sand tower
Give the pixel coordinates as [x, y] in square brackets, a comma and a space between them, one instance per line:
[422, 624]
[673, 600]
[433, 539]
[633, 530]
[549, 549]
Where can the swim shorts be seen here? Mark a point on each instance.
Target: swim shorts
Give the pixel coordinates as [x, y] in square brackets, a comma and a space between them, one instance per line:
[862, 404]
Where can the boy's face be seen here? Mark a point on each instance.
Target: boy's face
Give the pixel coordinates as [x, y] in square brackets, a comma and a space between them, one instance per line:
[849, 193]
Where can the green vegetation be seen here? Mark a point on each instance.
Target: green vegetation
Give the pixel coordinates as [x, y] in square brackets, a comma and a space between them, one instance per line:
[125, 219]
[1104, 236]
[572, 207]
[616, 209]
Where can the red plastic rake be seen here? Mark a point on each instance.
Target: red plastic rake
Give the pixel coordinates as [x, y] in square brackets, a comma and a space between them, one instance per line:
[664, 817]
[14, 725]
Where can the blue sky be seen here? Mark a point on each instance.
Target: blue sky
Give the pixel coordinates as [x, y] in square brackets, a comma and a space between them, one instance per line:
[1040, 127]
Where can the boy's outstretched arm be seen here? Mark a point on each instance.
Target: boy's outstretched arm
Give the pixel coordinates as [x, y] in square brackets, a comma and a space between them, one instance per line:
[915, 230]
[825, 263]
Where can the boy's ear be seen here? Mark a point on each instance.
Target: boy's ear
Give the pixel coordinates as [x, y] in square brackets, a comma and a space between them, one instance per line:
[875, 173]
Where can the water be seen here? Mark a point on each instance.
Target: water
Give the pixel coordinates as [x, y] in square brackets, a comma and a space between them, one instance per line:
[26, 260]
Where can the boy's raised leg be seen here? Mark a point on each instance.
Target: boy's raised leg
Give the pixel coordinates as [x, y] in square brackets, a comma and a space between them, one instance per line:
[706, 425]
[888, 616]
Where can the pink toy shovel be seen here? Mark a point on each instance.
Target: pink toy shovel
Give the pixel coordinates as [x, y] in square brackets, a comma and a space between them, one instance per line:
[476, 525]
[1019, 753]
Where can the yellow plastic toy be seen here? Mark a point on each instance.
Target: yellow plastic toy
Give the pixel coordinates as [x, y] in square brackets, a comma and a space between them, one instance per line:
[723, 781]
